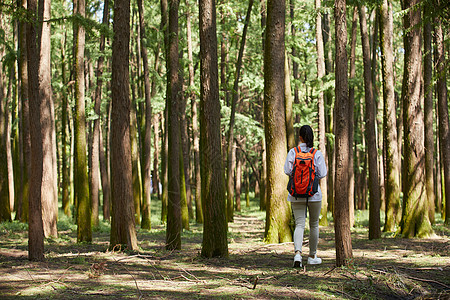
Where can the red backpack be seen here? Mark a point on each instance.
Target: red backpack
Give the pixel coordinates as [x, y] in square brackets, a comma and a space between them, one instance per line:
[303, 182]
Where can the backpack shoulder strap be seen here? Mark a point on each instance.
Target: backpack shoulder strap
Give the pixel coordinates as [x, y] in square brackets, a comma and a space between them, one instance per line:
[297, 150]
[313, 151]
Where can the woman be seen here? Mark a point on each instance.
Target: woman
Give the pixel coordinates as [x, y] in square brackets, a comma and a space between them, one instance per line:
[313, 203]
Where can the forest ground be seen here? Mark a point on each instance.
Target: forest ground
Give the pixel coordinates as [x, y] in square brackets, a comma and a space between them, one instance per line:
[388, 268]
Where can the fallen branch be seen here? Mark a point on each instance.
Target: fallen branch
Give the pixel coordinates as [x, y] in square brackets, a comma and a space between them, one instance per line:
[135, 282]
[416, 278]
[329, 271]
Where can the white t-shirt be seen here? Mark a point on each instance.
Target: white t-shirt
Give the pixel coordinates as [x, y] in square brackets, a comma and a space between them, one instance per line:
[321, 171]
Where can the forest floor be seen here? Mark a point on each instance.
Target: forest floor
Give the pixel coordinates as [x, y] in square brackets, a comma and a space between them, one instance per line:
[388, 268]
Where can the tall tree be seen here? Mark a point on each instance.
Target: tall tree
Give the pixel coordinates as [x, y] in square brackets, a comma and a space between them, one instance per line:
[231, 158]
[65, 169]
[97, 130]
[351, 118]
[415, 220]
[39, 135]
[392, 190]
[428, 111]
[165, 144]
[84, 209]
[122, 218]
[278, 213]
[371, 136]
[22, 212]
[444, 130]
[147, 161]
[321, 106]
[173, 231]
[195, 131]
[344, 251]
[215, 229]
[5, 210]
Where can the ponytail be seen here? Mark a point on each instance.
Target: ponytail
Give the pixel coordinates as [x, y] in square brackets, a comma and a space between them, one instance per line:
[307, 135]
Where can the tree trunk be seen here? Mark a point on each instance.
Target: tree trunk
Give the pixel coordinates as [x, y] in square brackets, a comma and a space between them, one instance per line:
[321, 108]
[444, 131]
[22, 212]
[344, 251]
[239, 180]
[173, 231]
[215, 229]
[195, 133]
[288, 103]
[5, 210]
[415, 221]
[392, 186]
[329, 123]
[278, 214]
[147, 159]
[84, 210]
[165, 147]
[135, 165]
[122, 218]
[35, 222]
[351, 97]
[374, 187]
[65, 169]
[230, 138]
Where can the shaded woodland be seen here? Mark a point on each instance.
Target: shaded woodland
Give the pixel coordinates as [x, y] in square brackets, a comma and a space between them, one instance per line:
[107, 107]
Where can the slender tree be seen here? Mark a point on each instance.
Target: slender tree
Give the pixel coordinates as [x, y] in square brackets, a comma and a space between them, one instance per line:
[374, 187]
[22, 212]
[122, 218]
[344, 252]
[392, 190]
[230, 137]
[444, 127]
[215, 229]
[278, 213]
[321, 106]
[195, 129]
[5, 210]
[84, 209]
[147, 161]
[428, 111]
[415, 221]
[173, 231]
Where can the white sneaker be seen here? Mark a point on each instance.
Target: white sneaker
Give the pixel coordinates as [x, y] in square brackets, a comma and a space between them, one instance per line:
[297, 261]
[314, 261]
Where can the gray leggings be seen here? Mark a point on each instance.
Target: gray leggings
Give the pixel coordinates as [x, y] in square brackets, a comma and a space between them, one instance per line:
[299, 214]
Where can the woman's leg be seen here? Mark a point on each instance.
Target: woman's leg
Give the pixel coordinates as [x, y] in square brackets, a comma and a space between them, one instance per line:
[299, 214]
[314, 214]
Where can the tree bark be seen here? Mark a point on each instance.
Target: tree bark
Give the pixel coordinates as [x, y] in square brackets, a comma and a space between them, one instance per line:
[147, 160]
[428, 113]
[444, 131]
[351, 97]
[165, 146]
[321, 108]
[344, 252]
[415, 221]
[195, 131]
[84, 209]
[230, 137]
[288, 103]
[25, 106]
[173, 231]
[392, 190]
[122, 218]
[215, 229]
[5, 209]
[278, 214]
[374, 187]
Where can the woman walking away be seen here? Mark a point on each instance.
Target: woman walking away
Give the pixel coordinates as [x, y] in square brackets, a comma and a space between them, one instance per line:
[305, 167]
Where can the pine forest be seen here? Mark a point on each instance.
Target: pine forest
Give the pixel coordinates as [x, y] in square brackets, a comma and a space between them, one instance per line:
[136, 133]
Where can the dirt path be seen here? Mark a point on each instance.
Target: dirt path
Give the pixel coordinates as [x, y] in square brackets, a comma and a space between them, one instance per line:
[390, 268]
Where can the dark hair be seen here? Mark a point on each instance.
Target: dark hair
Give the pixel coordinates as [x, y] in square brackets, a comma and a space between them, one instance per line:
[307, 134]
